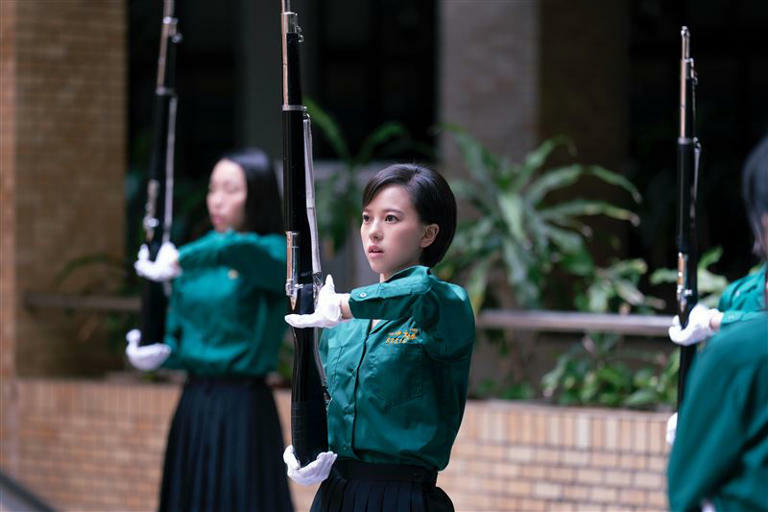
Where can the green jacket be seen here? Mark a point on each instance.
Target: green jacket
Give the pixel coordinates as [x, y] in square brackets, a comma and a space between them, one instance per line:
[225, 315]
[398, 389]
[721, 446]
[743, 299]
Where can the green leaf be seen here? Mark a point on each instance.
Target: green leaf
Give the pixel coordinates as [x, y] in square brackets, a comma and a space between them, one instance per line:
[615, 179]
[477, 282]
[663, 275]
[568, 241]
[613, 376]
[552, 180]
[380, 135]
[629, 292]
[538, 157]
[710, 257]
[512, 213]
[578, 207]
[641, 397]
[329, 128]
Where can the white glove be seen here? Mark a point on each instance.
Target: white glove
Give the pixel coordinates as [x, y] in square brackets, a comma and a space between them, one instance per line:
[148, 357]
[327, 311]
[671, 429]
[164, 268]
[698, 328]
[311, 474]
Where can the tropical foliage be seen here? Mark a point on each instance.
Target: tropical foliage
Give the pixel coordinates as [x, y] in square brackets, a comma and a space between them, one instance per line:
[518, 227]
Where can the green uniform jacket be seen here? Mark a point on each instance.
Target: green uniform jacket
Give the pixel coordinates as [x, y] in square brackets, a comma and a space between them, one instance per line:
[398, 390]
[743, 299]
[721, 447]
[225, 316]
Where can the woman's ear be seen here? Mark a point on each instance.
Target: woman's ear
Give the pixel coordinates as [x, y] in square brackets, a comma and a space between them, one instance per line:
[429, 236]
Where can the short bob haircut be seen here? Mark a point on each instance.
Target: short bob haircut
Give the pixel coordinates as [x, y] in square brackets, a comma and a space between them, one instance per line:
[430, 195]
[755, 192]
[263, 209]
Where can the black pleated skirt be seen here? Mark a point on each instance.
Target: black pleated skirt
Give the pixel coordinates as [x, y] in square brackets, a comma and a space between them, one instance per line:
[355, 486]
[224, 450]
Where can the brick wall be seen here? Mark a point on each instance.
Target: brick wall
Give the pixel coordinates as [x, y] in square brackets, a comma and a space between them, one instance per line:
[66, 134]
[8, 429]
[96, 446]
[489, 73]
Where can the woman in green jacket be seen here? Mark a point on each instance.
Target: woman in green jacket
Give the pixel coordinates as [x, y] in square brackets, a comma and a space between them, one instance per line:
[396, 356]
[718, 459]
[224, 327]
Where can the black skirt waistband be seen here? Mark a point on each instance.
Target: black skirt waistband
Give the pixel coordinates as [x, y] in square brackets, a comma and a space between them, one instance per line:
[357, 470]
[233, 380]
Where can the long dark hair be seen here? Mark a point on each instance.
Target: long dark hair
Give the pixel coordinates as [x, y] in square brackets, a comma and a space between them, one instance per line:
[755, 192]
[263, 209]
[430, 195]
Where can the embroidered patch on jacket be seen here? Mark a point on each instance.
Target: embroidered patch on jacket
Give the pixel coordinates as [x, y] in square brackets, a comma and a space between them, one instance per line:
[402, 336]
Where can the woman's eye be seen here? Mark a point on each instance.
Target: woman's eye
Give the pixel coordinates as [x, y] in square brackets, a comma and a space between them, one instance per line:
[366, 217]
[390, 218]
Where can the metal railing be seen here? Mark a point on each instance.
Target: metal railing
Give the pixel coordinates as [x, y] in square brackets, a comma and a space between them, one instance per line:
[542, 321]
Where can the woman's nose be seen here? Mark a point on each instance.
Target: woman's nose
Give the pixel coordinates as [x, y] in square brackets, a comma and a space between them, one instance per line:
[375, 232]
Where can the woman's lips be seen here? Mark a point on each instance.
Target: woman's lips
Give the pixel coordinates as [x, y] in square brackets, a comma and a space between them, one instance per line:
[375, 252]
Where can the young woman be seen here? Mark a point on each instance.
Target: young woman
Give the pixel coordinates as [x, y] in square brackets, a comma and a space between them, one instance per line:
[224, 327]
[396, 356]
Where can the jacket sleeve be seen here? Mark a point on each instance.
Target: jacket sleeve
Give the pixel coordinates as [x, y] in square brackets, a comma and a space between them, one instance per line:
[709, 429]
[259, 259]
[440, 309]
[735, 316]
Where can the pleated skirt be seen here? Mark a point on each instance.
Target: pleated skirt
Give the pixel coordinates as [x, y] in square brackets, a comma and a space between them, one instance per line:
[224, 449]
[354, 486]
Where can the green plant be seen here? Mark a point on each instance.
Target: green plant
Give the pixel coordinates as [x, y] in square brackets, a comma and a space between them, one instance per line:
[504, 388]
[592, 374]
[615, 288]
[518, 228]
[710, 285]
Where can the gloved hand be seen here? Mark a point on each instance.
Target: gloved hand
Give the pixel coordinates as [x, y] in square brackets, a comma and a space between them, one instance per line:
[164, 268]
[327, 311]
[671, 429]
[314, 472]
[698, 327]
[148, 357]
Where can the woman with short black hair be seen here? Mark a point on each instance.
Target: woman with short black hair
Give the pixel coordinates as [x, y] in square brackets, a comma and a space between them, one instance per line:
[396, 356]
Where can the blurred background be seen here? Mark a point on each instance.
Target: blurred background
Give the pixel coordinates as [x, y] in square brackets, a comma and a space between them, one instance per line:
[581, 97]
